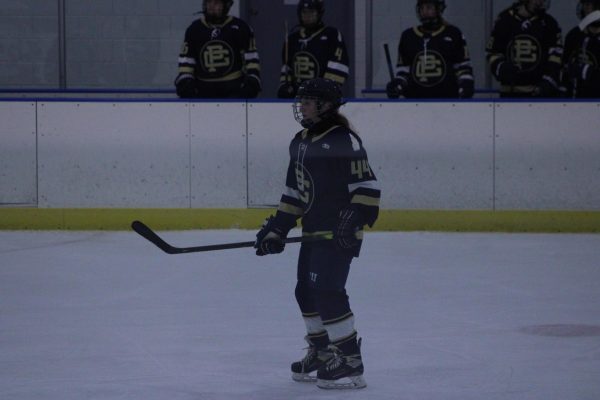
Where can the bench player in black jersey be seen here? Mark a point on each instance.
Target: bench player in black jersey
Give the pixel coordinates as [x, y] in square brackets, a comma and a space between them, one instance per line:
[582, 53]
[218, 58]
[433, 59]
[525, 51]
[312, 50]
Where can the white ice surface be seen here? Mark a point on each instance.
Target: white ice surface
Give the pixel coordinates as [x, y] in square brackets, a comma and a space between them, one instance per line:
[106, 315]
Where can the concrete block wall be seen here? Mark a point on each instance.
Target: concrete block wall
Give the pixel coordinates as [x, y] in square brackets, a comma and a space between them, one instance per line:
[110, 43]
[135, 43]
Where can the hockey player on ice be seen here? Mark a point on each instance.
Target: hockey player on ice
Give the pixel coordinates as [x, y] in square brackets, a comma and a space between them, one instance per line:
[331, 187]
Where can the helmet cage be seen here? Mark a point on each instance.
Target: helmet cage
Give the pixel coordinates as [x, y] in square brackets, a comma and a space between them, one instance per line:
[323, 92]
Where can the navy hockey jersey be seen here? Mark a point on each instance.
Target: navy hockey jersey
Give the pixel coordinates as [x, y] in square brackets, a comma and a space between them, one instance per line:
[321, 54]
[533, 44]
[219, 53]
[584, 48]
[432, 64]
[328, 171]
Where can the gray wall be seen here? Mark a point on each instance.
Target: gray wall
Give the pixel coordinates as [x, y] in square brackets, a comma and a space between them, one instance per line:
[134, 43]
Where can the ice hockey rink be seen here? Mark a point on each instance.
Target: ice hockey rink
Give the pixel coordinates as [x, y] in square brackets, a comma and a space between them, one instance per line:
[443, 316]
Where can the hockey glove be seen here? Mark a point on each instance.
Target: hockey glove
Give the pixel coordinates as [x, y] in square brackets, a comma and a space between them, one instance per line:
[466, 89]
[270, 238]
[579, 71]
[349, 222]
[507, 72]
[546, 89]
[394, 88]
[286, 91]
[250, 87]
[187, 88]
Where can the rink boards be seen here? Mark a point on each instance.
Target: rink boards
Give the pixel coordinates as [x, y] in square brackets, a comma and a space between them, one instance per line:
[449, 156]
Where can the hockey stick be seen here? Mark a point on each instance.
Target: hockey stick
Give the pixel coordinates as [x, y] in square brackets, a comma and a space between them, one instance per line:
[150, 235]
[388, 58]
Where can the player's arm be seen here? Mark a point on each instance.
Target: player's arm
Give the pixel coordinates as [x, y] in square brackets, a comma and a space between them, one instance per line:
[550, 82]
[337, 68]
[185, 82]
[287, 89]
[398, 86]
[503, 70]
[463, 69]
[251, 65]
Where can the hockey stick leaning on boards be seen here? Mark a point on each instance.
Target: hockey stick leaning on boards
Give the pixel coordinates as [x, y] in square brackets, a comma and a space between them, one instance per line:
[147, 233]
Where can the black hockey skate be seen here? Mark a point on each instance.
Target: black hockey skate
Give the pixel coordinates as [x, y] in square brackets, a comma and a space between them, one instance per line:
[305, 369]
[344, 370]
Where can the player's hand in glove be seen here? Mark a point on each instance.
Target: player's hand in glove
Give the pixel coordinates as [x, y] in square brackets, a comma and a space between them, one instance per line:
[187, 88]
[286, 91]
[508, 72]
[270, 238]
[466, 89]
[250, 87]
[349, 222]
[394, 88]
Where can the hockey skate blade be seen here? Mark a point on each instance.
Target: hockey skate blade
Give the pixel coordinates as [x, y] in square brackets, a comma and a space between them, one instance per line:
[299, 377]
[350, 382]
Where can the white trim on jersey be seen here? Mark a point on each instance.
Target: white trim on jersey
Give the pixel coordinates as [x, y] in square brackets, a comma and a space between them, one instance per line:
[338, 67]
[371, 184]
[291, 192]
[187, 60]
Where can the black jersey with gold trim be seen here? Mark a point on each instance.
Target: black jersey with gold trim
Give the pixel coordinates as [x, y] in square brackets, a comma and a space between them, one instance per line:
[432, 63]
[328, 171]
[321, 54]
[216, 53]
[533, 44]
[582, 48]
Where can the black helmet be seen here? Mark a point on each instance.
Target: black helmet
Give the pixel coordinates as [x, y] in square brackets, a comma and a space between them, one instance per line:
[545, 6]
[226, 6]
[310, 5]
[435, 22]
[323, 91]
[595, 4]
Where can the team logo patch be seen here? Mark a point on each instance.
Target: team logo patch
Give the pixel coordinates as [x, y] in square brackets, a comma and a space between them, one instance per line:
[216, 57]
[429, 68]
[305, 186]
[525, 51]
[305, 65]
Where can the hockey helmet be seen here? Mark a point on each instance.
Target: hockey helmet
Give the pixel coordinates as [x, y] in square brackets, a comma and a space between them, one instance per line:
[535, 8]
[581, 11]
[216, 19]
[431, 22]
[322, 91]
[316, 5]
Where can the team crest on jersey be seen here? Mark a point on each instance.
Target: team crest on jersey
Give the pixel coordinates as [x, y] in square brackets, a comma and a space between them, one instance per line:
[306, 66]
[429, 68]
[216, 57]
[525, 51]
[305, 186]
[585, 57]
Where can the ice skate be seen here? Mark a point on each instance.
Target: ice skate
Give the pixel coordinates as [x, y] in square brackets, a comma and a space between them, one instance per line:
[342, 371]
[305, 370]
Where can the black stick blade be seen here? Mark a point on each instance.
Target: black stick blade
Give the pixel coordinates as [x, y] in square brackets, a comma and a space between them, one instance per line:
[147, 233]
